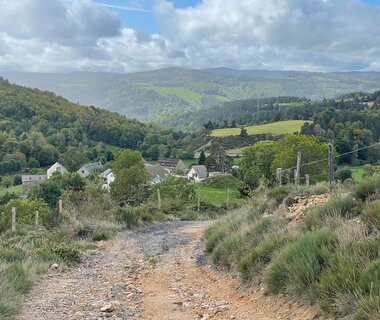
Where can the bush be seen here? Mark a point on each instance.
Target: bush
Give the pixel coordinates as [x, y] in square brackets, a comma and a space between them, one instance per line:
[338, 286]
[84, 232]
[100, 236]
[367, 187]
[133, 216]
[300, 264]
[25, 212]
[371, 213]
[10, 255]
[339, 206]
[278, 194]
[68, 254]
[344, 173]
[252, 265]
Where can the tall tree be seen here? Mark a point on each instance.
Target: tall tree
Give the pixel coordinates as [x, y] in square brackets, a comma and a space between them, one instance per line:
[202, 158]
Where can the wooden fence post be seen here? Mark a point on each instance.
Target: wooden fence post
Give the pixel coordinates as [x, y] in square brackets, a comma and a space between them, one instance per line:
[36, 219]
[228, 198]
[279, 176]
[60, 206]
[198, 202]
[13, 218]
[307, 179]
[158, 199]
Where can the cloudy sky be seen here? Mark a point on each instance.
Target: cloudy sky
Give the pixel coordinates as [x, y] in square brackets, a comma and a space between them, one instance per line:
[136, 35]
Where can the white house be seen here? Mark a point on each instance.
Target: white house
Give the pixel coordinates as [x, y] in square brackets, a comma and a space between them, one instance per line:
[107, 177]
[197, 173]
[56, 167]
[86, 169]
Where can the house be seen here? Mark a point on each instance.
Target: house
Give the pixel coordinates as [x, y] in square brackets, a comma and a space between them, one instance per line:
[156, 172]
[29, 181]
[56, 167]
[197, 173]
[172, 165]
[107, 177]
[88, 168]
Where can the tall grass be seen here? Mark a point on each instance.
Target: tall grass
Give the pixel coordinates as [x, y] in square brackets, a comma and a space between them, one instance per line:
[331, 257]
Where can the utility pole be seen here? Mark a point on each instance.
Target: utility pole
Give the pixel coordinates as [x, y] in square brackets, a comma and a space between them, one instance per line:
[298, 170]
[331, 162]
[279, 176]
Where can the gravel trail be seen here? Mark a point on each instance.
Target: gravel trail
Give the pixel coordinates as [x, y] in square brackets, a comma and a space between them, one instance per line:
[159, 272]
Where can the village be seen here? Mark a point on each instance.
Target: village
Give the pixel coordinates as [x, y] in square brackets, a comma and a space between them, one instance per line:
[157, 172]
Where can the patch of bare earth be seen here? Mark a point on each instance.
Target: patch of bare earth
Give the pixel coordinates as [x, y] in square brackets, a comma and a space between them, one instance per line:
[155, 273]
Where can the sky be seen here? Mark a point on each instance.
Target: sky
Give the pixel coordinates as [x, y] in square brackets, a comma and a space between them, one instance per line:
[138, 35]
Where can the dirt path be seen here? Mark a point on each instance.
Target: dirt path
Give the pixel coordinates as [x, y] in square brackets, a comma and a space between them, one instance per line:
[156, 273]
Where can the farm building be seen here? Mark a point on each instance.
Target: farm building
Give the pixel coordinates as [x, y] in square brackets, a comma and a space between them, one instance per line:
[29, 181]
[88, 168]
[197, 173]
[156, 172]
[172, 165]
[56, 167]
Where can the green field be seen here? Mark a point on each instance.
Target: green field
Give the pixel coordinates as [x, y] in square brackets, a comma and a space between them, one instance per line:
[15, 189]
[357, 173]
[275, 128]
[179, 91]
[216, 195]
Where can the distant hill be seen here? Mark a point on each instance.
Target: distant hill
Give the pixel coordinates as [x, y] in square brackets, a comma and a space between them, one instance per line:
[154, 94]
[37, 128]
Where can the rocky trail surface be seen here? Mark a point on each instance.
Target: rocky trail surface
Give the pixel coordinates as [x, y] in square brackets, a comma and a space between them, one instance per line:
[159, 272]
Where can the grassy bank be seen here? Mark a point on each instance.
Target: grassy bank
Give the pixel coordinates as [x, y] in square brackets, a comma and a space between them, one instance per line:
[330, 258]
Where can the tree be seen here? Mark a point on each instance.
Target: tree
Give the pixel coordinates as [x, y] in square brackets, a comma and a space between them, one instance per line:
[174, 188]
[73, 159]
[202, 158]
[286, 155]
[130, 178]
[257, 160]
[344, 173]
[218, 160]
[243, 132]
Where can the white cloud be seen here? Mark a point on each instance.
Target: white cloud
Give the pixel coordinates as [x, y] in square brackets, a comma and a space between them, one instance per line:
[68, 35]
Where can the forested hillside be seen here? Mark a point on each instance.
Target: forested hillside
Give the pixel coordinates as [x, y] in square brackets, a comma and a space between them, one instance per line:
[155, 94]
[38, 128]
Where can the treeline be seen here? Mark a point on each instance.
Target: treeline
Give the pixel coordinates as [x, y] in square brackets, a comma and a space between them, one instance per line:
[38, 128]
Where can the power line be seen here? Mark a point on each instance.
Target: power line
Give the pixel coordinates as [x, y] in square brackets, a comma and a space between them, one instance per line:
[336, 156]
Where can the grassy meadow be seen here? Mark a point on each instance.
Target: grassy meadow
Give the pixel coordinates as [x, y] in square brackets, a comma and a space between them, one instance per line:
[14, 189]
[274, 128]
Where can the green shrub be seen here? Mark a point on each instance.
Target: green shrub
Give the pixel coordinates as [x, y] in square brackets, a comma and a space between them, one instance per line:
[278, 194]
[296, 269]
[100, 236]
[11, 255]
[367, 187]
[339, 284]
[20, 275]
[84, 232]
[339, 206]
[369, 281]
[371, 213]
[252, 265]
[226, 251]
[68, 254]
[127, 216]
[368, 308]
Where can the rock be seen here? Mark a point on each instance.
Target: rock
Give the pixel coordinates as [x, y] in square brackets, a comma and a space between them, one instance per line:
[107, 308]
[54, 266]
[205, 317]
[220, 303]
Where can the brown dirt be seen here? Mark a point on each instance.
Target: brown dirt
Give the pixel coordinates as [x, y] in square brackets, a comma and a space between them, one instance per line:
[158, 274]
